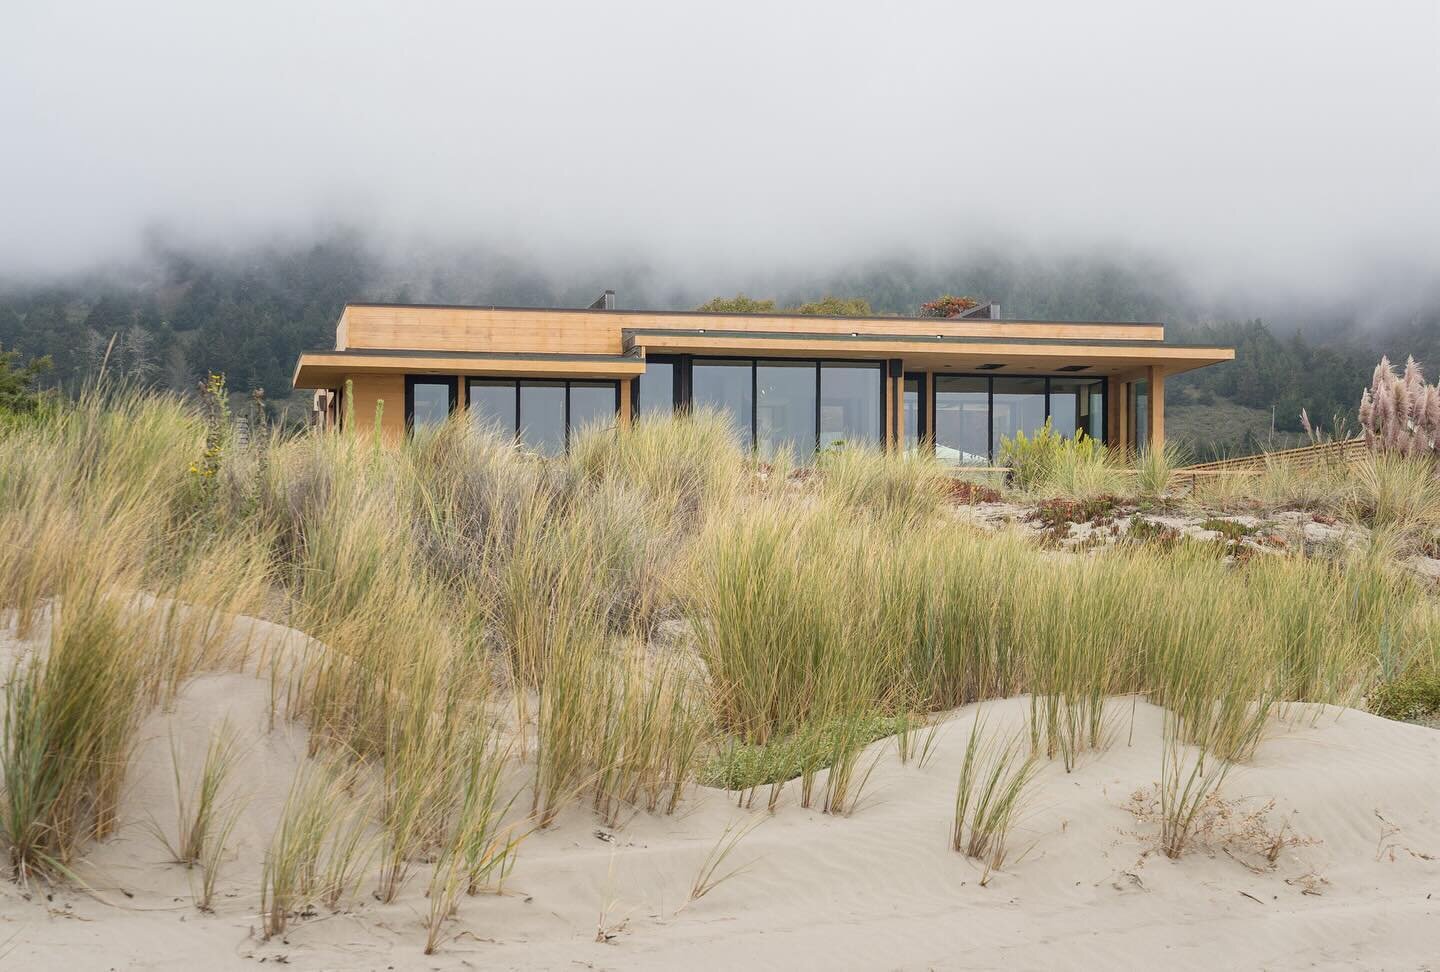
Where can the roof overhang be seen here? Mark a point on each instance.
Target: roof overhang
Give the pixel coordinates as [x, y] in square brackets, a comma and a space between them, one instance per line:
[1016, 355]
[328, 369]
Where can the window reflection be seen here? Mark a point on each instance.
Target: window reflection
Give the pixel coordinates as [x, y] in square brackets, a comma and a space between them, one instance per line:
[785, 408]
[849, 404]
[726, 386]
[962, 420]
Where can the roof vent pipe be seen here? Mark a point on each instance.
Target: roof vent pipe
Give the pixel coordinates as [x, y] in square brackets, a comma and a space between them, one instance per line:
[605, 301]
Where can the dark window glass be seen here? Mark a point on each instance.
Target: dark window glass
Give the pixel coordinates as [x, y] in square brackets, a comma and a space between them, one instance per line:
[725, 385]
[592, 403]
[492, 405]
[1019, 405]
[542, 416]
[1140, 414]
[430, 404]
[962, 420]
[912, 414]
[1077, 405]
[656, 395]
[785, 408]
[849, 404]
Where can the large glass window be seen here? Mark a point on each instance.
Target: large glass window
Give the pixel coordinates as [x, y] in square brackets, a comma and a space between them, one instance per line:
[1078, 405]
[914, 411]
[592, 403]
[1019, 406]
[785, 408]
[1140, 414]
[655, 390]
[428, 401]
[962, 420]
[491, 405]
[849, 404]
[542, 416]
[727, 386]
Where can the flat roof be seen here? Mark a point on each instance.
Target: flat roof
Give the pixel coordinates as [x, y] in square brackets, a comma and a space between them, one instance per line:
[742, 315]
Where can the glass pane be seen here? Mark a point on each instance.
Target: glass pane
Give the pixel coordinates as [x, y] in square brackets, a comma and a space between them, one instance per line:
[785, 408]
[962, 420]
[1019, 407]
[849, 404]
[492, 405]
[1076, 405]
[725, 385]
[542, 416]
[592, 403]
[912, 414]
[657, 389]
[1140, 416]
[431, 403]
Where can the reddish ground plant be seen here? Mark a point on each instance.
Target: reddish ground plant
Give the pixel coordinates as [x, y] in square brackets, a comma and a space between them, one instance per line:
[967, 493]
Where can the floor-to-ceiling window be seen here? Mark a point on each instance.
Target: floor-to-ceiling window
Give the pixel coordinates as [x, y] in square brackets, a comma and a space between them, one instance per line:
[1140, 413]
[729, 387]
[785, 408]
[962, 419]
[428, 401]
[972, 413]
[492, 404]
[802, 405]
[1078, 405]
[655, 389]
[850, 406]
[1018, 405]
[914, 405]
[541, 414]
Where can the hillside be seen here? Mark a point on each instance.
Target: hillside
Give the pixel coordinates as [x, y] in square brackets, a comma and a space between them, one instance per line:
[179, 314]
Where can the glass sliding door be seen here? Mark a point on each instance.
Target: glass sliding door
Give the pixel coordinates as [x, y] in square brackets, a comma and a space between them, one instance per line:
[592, 405]
[655, 390]
[428, 401]
[914, 405]
[962, 420]
[492, 405]
[785, 408]
[1018, 406]
[1078, 405]
[728, 386]
[850, 403]
[542, 416]
[1140, 413]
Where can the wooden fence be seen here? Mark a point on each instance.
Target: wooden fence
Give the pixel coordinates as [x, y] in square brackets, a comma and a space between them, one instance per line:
[1338, 452]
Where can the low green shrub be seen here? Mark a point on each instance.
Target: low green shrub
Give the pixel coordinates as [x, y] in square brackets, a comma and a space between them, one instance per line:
[742, 766]
[1411, 697]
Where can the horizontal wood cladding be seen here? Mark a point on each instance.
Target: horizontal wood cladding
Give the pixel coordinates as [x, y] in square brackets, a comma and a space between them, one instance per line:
[369, 392]
[322, 369]
[377, 327]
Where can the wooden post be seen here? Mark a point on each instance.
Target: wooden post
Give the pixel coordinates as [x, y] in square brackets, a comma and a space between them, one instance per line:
[627, 388]
[1155, 407]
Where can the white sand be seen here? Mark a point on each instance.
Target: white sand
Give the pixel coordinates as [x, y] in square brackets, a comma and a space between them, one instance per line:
[876, 890]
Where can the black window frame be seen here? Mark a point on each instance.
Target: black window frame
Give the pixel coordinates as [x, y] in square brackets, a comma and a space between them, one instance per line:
[922, 407]
[990, 398]
[566, 382]
[451, 381]
[677, 363]
[686, 382]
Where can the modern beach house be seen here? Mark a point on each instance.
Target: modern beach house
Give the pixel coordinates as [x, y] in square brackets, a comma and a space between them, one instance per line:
[957, 385]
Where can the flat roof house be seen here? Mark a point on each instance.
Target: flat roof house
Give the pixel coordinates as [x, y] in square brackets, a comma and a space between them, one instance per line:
[957, 385]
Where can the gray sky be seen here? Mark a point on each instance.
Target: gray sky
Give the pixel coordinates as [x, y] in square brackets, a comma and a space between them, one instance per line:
[1277, 142]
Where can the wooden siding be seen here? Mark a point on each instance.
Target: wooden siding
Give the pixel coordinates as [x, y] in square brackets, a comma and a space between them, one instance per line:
[418, 328]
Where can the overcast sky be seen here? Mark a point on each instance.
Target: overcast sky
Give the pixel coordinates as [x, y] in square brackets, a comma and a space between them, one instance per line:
[1291, 141]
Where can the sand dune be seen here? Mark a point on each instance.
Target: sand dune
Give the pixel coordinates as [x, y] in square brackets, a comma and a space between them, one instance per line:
[877, 890]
